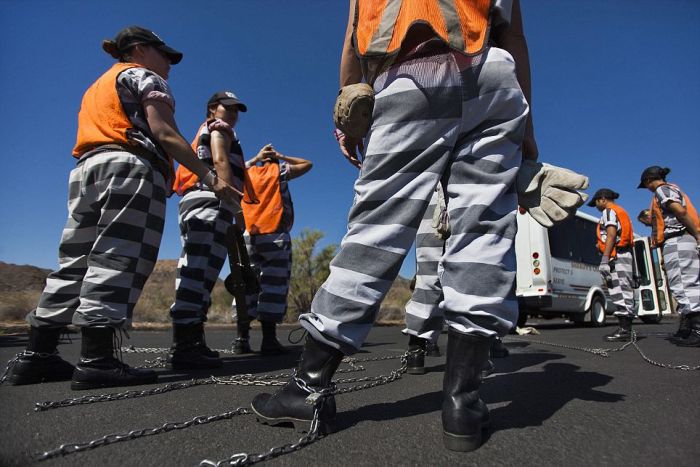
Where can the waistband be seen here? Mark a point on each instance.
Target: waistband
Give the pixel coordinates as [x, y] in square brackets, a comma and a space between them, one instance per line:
[678, 233]
[155, 160]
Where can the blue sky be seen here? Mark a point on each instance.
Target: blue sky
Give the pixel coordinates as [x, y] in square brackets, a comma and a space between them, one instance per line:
[615, 89]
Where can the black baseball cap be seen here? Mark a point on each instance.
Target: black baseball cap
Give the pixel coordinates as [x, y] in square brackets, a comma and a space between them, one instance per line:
[652, 173]
[606, 193]
[134, 35]
[227, 98]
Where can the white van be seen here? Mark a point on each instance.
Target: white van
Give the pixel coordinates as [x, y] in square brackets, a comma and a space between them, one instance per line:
[557, 273]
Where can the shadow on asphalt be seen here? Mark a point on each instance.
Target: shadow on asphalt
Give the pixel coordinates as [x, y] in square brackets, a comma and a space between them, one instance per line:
[534, 397]
[421, 404]
[531, 397]
[254, 363]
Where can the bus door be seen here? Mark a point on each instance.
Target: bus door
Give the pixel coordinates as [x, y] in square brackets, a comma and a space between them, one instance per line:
[652, 299]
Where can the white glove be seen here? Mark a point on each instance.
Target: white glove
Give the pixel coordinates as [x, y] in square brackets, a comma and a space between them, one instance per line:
[549, 193]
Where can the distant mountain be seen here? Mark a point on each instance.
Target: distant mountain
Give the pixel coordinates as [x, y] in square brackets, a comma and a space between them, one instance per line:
[19, 278]
[21, 285]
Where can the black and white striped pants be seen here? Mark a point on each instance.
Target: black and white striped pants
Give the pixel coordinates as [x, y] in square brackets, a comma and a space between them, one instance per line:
[109, 245]
[682, 264]
[271, 258]
[203, 221]
[447, 118]
[424, 318]
[622, 290]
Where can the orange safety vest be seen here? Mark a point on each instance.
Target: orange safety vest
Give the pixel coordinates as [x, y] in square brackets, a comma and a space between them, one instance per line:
[381, 26]
[626, 236]
[266, 216]
[102, 119]
[657, 217]
[184, 177]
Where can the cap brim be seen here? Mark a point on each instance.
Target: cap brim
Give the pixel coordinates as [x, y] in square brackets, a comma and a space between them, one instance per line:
[641, 185]
[591, 202]
[174, 56]
[241, 106]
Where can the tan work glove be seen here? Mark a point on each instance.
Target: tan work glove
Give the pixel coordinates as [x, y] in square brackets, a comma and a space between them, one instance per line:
[549, 193]
[353, 108]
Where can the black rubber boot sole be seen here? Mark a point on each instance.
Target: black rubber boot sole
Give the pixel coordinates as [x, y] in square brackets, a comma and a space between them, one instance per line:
[23, 379]
[325, 427]
[85, 385]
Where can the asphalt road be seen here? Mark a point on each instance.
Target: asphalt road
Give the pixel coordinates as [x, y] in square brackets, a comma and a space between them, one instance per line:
[550, 406]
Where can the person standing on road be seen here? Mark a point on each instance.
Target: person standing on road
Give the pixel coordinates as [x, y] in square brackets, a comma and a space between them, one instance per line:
[127, 138]
[424, 318]
[449, 106]
[204, 221]
[676, 228]
[615, 243]
[269, 244]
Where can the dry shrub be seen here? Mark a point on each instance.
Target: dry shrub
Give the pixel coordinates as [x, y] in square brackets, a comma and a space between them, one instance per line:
[14, 306]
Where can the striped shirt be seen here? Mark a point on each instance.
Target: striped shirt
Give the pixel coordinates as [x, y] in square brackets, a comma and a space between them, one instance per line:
[136, 86]
[666, 194]
[609, 218]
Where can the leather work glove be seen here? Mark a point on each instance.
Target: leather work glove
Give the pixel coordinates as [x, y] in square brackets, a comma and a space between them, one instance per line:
[605, 270]
[353, 108]
[549, 193]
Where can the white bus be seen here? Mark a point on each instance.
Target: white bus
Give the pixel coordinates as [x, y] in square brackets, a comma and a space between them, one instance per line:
[557, 273]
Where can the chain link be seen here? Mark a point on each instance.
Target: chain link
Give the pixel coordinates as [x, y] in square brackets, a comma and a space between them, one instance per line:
[605, 352]
[71, 448]
[9, 366]
[316, 396]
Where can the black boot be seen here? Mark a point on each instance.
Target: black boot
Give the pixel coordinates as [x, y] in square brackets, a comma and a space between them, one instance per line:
[270, 345]
[289, 404]
[241, 344]
[432, 350]
[189, 350]
[693, 339]
[498, 350]
[464, 414]
[40, 361]
[683, 328]
[416, 355]
[98, 368]
[623, 333]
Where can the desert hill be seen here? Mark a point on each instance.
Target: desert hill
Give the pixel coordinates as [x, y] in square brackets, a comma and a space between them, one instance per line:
[21, 285]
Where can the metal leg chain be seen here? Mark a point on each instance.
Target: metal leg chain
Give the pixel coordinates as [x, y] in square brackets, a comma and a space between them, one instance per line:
[603, 352]
[239, 459]
[316, 398]
[9, 366]
[71, 448]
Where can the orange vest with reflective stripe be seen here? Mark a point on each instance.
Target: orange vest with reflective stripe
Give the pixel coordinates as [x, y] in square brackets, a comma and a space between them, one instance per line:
[101, 119]
[382, 25]
[657, 217]
[184, 177]
[626, 236]
[264, 217]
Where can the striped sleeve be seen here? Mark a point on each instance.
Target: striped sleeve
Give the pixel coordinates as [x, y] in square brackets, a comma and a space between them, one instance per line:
[667, 193]
[609, 218]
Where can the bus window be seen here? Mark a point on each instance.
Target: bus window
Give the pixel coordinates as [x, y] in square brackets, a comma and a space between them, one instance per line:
[642, 267]
[587, 241]
[562, 241]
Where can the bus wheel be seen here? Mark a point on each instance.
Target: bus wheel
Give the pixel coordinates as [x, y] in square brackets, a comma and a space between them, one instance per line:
[651, 319]
[597, 311]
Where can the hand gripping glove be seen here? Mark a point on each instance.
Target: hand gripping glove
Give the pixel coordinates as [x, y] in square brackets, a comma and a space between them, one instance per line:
[549, 193]
[352, 113]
